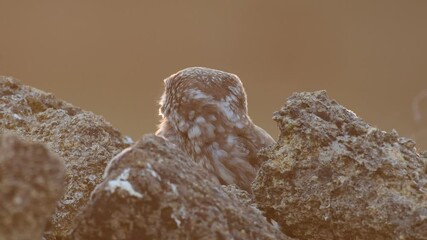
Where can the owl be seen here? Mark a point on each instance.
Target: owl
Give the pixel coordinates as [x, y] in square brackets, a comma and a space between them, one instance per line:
[204, 112]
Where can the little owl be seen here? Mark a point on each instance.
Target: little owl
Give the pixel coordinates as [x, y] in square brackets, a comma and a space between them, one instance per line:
[204, 112]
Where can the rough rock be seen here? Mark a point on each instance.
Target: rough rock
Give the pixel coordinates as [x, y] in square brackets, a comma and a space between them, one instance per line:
[333, 176]
[238, 194]
[31, 183]
[153, 191]
[85, 141]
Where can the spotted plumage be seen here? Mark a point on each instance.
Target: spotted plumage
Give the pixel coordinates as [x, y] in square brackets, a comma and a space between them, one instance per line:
[204, 112]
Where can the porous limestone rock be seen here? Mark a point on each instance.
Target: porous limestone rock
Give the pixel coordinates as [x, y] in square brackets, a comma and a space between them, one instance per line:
[84, 140]
[31, 183]
[238, 194]
[153, 191]
[333, 176]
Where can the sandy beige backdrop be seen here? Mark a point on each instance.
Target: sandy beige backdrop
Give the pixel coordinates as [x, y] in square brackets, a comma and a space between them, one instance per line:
[110, 56]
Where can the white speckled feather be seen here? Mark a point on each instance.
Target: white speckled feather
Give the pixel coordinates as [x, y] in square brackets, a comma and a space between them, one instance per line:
[204, 112]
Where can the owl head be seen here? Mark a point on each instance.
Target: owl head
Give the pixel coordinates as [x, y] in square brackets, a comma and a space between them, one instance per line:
[198, 88]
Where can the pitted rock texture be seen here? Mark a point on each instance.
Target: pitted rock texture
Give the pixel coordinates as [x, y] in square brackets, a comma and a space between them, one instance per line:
[31, 183]
[153, 191]
[240, 195]
[333, 176]
[85, 141]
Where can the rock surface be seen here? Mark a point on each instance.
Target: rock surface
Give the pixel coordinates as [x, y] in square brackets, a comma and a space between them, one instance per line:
[238, 194]
[85, 141]
[31, 183]
[330, 176]
[333, 176]
[153, 191]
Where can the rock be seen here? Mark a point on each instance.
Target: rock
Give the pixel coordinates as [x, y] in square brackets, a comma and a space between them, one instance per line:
[31, 183]
[333, 176]
[85, 141]
[153, 191]
[238, 194]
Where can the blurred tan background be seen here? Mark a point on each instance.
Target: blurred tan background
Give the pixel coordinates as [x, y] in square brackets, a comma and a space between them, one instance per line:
[110, 57]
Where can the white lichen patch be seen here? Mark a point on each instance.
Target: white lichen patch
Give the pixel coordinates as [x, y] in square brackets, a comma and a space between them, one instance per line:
[91, 177]
[16, 116]
[122, 182]
[67, 201]
[78, 195]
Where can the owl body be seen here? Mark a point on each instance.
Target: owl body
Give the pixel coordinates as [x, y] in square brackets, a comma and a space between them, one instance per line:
[204, 112]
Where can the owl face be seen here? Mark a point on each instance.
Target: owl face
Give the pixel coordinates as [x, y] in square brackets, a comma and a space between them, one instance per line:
[195, 88]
